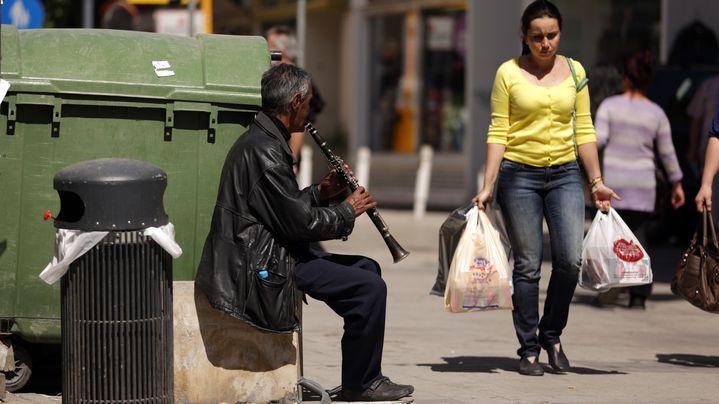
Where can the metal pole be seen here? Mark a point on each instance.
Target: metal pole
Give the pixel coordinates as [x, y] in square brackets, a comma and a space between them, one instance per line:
[191, 6]
[301, 31]
[88, 14]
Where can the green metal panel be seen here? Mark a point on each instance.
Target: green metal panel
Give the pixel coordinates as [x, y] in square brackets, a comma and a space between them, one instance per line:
[85, 94]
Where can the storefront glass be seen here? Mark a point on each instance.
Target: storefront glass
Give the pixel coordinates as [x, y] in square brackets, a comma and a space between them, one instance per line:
[443, 62]
[386, 66]
[417, 63]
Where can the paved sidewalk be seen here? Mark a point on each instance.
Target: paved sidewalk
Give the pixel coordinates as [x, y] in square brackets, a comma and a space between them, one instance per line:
[666, 354]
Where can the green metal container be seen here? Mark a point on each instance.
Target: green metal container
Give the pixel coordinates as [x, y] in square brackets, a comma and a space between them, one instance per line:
[84, 94]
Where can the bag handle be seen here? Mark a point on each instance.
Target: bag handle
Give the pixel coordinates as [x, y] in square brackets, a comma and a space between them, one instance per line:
[707, 216]
[579, 85]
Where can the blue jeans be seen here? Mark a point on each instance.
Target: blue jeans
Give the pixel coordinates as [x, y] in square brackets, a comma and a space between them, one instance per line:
[526, 195]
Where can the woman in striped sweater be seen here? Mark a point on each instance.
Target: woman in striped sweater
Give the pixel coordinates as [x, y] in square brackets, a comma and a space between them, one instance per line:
[633, 131]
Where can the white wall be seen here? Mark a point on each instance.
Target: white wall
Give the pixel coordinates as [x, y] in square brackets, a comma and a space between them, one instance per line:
[676, 14]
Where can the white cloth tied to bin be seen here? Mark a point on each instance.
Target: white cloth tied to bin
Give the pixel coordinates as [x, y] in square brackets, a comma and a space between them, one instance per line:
[72, 244]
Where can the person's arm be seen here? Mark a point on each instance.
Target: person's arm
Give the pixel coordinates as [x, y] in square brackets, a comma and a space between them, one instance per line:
[491, 170]
[711, 166]
[601, 193]
[587, 148]
[275, 200]
[668, 156]
[496, 138]
[678, 197]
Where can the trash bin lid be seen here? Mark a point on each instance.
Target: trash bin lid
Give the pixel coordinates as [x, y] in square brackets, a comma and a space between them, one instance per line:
[111, 194]
[115, 63]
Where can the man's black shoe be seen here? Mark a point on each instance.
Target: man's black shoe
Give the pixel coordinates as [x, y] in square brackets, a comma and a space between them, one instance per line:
[530, 368]
[557, 359]
[381, 389]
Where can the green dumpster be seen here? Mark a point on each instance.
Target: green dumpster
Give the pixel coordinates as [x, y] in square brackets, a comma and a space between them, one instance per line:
[176, 102]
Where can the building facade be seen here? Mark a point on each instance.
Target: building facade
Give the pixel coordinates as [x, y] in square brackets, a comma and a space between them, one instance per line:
[400, 74]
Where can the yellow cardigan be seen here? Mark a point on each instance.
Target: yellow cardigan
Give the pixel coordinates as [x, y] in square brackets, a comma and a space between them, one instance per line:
[535, 122]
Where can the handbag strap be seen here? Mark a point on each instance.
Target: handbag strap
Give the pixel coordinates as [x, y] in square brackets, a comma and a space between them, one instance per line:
[578, 86]
[708, 217]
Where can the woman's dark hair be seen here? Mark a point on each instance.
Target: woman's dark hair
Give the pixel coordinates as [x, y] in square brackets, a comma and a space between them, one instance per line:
[538, 9]
[638, 69]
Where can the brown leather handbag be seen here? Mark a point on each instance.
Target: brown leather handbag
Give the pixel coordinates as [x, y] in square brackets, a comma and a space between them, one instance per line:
[696, 278]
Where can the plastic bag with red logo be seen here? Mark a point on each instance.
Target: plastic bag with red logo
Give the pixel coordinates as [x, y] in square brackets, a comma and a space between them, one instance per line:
[480, 277]
[612, 256]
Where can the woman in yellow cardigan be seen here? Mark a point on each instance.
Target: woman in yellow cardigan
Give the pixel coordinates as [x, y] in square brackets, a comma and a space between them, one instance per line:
[532, 157]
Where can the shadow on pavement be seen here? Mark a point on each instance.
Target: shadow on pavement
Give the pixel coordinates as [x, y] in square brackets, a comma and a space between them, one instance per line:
[622, 300]
[493, 364]
[698, 361]
[46, 376]
[485, 364]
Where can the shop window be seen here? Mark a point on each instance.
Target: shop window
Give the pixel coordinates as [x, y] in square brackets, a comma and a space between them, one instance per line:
[443, 64]
[386, 68]
[417, 63]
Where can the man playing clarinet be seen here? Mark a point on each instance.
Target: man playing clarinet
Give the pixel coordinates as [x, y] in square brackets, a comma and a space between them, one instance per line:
[257, 253]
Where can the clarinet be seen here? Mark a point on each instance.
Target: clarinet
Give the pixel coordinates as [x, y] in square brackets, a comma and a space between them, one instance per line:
[398, 253]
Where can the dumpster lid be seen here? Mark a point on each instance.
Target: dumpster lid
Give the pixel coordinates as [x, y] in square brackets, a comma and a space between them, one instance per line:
[205, 68]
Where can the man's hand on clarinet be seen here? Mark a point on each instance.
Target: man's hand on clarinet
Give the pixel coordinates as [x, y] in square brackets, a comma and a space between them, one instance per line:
[361, 201]
[333, 184]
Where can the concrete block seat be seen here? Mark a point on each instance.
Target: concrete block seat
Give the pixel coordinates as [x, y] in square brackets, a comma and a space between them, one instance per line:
[219, 358]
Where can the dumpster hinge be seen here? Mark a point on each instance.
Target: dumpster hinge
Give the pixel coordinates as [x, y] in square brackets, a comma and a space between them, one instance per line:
[11, 115]
[56, 116]
[169, 121]
[212, 129]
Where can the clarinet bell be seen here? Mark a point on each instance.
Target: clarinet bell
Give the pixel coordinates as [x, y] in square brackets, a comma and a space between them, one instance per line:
[398, 253]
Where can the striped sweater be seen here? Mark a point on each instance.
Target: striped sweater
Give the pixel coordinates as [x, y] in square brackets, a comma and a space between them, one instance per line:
[631, 131]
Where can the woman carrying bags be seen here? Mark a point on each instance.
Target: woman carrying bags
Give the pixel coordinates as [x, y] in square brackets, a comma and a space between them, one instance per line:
[532, 154]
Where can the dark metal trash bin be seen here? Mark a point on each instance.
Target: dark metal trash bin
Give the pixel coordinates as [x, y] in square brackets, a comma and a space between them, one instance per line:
[116, 299]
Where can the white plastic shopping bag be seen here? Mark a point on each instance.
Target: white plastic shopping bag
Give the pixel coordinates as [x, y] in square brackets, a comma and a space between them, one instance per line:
[72, 244]
[479, 276]
[612, 256]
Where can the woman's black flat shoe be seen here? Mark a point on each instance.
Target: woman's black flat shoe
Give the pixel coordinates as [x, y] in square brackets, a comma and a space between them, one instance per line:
[557, 359]
[528, 368]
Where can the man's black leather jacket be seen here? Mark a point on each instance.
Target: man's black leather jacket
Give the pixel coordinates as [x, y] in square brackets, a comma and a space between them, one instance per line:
[260, 222]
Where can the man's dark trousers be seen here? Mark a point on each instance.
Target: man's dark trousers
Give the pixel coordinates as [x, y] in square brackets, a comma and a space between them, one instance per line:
[352, 287]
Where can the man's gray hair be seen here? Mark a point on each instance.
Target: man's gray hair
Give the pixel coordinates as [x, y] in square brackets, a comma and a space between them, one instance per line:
[285, 41]
[279, 84]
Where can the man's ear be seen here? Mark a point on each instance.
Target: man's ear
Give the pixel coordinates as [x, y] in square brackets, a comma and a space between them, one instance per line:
[296, 102]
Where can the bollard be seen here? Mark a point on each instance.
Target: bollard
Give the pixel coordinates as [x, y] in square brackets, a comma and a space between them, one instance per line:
[304, 176]
[364, 157]
[116, 299]
[421, 187]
